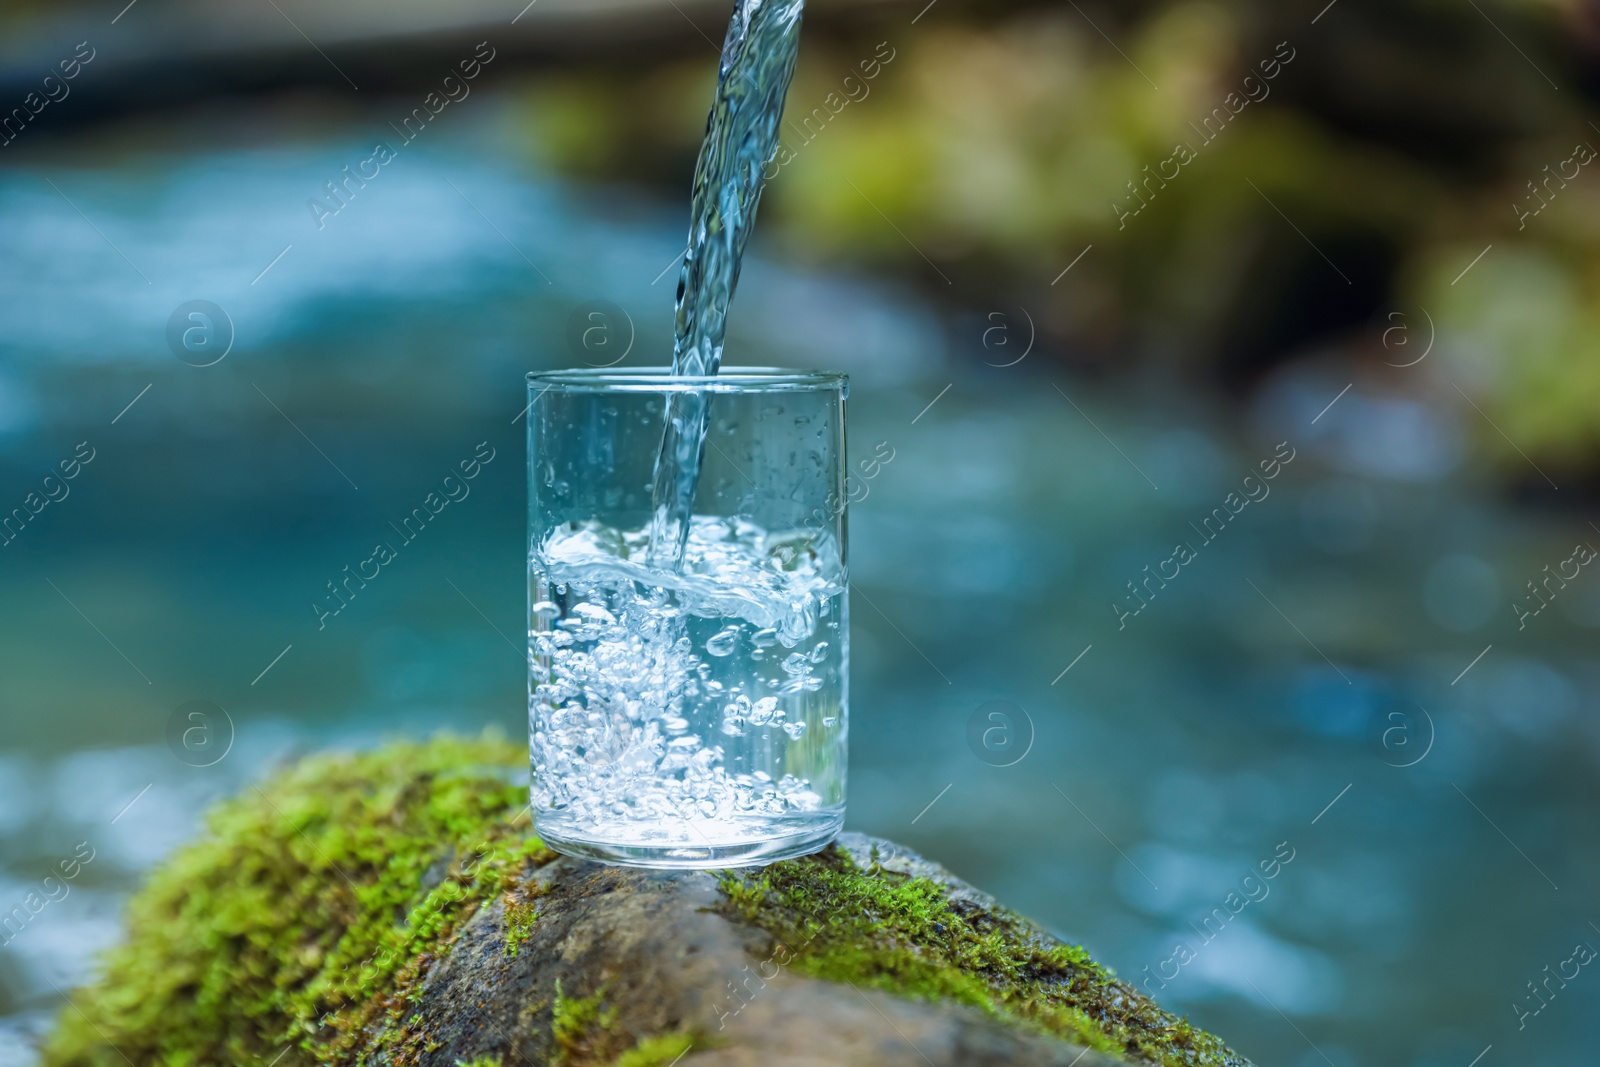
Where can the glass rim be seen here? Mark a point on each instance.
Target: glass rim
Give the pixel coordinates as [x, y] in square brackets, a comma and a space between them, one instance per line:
[662, 380]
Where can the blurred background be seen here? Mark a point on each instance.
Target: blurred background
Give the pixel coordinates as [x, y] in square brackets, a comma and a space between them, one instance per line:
[1088, 266]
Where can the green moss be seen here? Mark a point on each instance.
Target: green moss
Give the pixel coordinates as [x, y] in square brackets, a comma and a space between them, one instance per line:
[573, 1020]
[586, 1033]
[480, 1061]
[520, 915]
[878, 928]
[305, 915]
[659, 1051]
[303, 920]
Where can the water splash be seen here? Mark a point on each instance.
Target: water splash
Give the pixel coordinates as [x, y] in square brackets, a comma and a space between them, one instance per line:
[758, 61]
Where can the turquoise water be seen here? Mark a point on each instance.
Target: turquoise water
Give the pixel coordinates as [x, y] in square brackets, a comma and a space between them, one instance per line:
[985, 558]
[758, 59]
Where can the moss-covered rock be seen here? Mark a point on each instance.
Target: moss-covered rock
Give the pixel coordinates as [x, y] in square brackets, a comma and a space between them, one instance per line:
[395, 908]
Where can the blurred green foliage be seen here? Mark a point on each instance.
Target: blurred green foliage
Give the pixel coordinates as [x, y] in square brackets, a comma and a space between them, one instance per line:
[1392, 146]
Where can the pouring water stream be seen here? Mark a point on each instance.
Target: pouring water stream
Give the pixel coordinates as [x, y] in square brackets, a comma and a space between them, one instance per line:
[758, 60]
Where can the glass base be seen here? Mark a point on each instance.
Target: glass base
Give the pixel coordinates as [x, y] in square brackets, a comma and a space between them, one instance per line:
[704, 854]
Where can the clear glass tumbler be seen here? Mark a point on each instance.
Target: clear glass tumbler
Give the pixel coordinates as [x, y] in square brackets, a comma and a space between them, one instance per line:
[696, 717]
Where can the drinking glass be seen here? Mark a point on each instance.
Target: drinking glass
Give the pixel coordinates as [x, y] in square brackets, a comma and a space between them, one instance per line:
[688, 716]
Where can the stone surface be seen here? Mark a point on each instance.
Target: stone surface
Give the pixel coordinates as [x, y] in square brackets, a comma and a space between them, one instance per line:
[669, 962]
[394, 909]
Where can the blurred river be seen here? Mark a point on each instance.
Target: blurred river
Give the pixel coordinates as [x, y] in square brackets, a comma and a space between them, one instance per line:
[1308, 686]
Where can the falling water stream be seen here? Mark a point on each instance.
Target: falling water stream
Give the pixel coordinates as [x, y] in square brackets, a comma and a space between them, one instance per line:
[758, 61]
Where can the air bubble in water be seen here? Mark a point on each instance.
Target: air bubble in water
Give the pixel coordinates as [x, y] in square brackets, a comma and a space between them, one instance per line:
[765, 711]
[595, 613]
[723, 643]
[629, 703]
